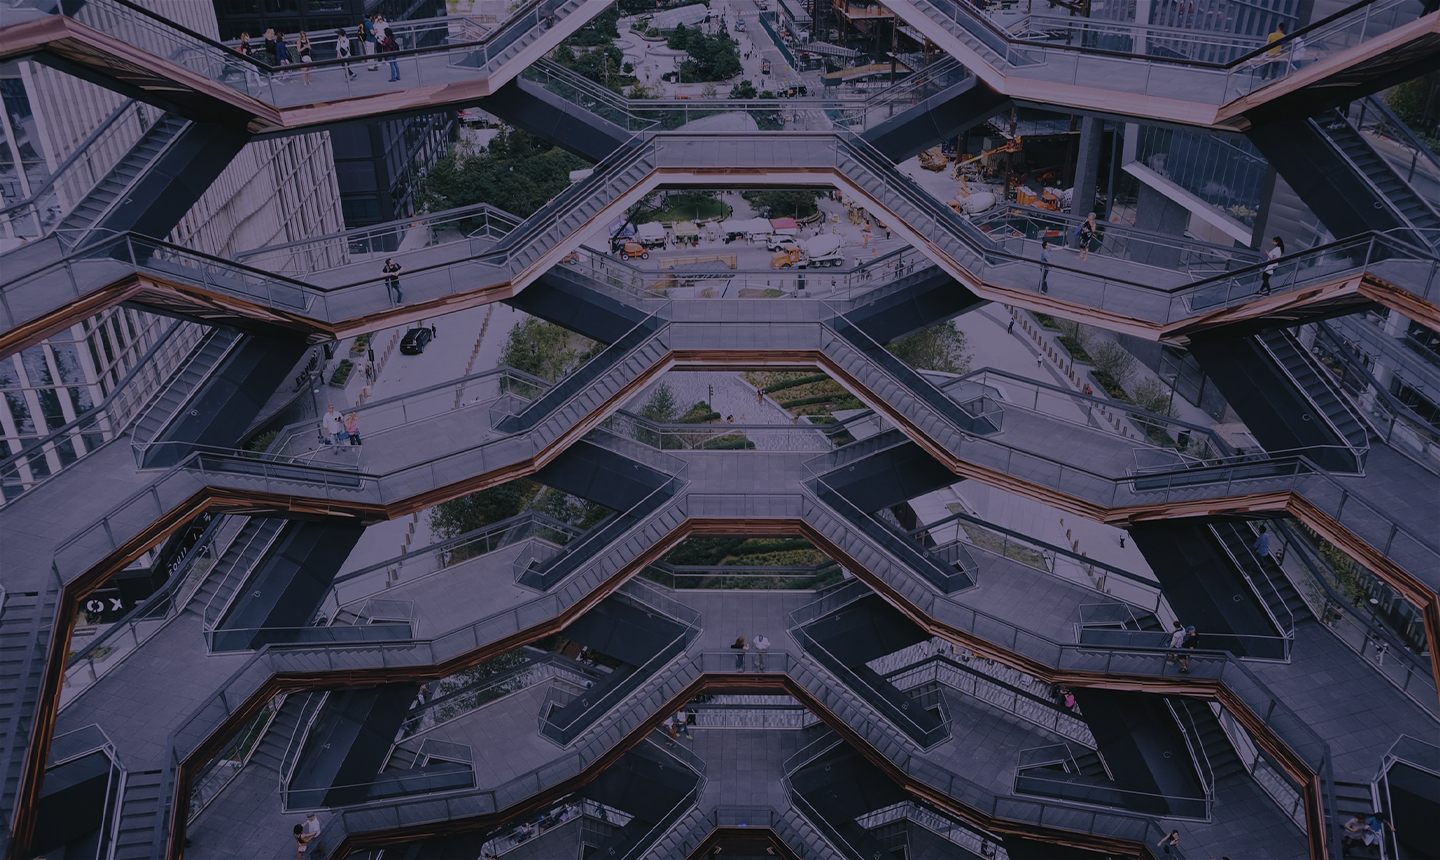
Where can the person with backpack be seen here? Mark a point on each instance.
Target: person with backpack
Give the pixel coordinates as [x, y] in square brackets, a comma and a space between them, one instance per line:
[388, 47]
[367, 40]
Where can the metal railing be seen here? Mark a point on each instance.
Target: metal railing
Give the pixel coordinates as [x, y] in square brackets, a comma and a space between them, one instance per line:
[1031, 780]
[31, 466]
[1150, 60]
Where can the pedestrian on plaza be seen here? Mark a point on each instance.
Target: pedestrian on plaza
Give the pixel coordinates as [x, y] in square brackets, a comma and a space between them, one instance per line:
[1170, 844]
[302, 48]
[1044, 268]
[310, 828]
[433, 333]
[865, 231]
[1177, 636]
[1011, 327]
[342, 51]
[1262, 543]
[1187, 645]
[352, 428]
[762, 645]
[1086, 234]
[740, 648]
[332, 425]
[367, 40]
[1277, 250]
[392, 272]
[389, 47]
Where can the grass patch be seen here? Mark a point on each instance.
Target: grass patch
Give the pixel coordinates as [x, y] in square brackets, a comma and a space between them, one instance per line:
[997, 543]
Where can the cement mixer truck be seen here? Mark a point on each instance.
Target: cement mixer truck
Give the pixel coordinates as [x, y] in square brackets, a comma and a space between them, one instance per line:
[823, 250]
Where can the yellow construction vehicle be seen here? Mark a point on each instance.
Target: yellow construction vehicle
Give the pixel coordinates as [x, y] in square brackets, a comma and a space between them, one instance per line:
[1009, 146]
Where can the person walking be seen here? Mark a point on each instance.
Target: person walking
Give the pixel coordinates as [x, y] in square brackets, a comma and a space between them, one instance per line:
[392, 272]
[740, 647]
[368, 42]
[331, 424]
[389, 47]
[1262, 542]
[352, 428]
[1272, 56]
[252, 78]
[342, 51]
[761, 646]
[1044, 271]
[682, 724]
[1177, 636]
[1188, 645]
[302, 48]
[1087, 235]
[1277, 250]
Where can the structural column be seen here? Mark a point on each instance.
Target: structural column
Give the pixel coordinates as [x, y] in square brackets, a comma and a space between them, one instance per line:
[1087, 166]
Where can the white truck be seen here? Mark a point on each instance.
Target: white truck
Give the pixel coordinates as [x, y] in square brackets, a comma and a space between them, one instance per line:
[823, 250]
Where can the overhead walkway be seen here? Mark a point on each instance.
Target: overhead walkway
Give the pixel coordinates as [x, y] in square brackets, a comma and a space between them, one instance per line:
[1144, 70]
[133, 49]
[1111, 291]
[149, 515]
[232, 694]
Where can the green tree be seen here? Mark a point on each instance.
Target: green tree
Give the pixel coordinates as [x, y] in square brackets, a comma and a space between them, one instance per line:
[941, 347]
[661, 407]
[477, 510]
[546, 350]
[1417, 103]
[516, 171]
[792, 202]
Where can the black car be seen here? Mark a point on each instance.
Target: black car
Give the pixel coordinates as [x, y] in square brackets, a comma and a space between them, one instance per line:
[415, 340]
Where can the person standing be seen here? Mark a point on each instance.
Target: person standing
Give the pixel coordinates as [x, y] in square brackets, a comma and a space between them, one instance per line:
[682, 724]
[352, 428]
[270, 47]
[761, 646]
[740, 647]
[1044, 271]
[1087, 235]
[1170, 844]
[367, 40]
[282, 53]
[1190, 643]
[333, 426]
[302, 48]
[252, 78]
[388, 47]
[342, 51]
[392, 272]
[310, 828]
[1277, 250]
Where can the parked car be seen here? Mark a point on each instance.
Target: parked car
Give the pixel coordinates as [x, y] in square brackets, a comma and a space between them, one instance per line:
[415, 341]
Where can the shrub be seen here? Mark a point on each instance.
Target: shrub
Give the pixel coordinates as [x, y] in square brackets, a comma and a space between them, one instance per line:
[1152, 396]
[1113, 360]
[342, 373]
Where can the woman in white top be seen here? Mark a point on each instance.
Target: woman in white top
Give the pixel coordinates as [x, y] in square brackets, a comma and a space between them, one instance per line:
[1277, 250]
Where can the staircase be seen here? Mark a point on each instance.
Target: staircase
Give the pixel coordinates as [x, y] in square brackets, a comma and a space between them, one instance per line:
[270, 752]
[1315, 383]
[235, 565]
[140, 808]
[1219, 752]
[26, 619]
[1271, 584]
[1414, 209]
[194, 370]
[1354, 798]
[111, 191]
